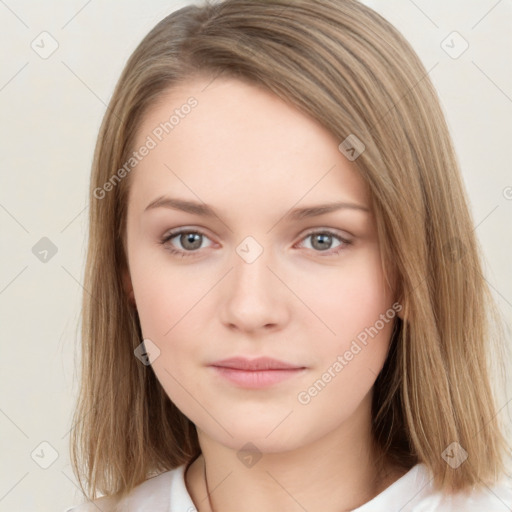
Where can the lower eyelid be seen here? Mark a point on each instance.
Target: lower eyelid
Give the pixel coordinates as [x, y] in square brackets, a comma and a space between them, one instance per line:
[330, 233]
[343, 241]
[170, 236]
[167, 238]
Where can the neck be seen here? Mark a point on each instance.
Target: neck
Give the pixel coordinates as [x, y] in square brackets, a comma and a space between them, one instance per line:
[337, 469]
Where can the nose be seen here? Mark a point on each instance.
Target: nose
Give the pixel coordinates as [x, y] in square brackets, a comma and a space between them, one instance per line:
[254, 298]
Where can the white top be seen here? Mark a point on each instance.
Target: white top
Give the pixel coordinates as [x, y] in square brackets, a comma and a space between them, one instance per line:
[411, 493]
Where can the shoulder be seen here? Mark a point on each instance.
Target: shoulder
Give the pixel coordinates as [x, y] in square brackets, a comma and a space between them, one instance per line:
[497, 498]
[104, 503]
[414, 492]
[152, 495]
[489, 499]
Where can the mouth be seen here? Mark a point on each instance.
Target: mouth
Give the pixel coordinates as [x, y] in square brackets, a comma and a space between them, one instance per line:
[255, 373]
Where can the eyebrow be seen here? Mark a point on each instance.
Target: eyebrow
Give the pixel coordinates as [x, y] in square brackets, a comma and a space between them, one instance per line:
[204, 210]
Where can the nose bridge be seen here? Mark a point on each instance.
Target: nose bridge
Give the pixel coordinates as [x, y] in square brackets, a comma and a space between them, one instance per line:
[251, 266]
[252, 299]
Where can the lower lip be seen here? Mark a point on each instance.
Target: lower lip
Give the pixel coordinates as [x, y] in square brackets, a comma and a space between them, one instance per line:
[255, 379]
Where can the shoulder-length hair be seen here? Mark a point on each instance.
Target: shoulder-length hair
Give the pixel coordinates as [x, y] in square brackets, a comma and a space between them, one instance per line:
[343, 64]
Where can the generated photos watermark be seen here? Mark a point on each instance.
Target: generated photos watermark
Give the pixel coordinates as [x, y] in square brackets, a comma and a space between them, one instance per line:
[356, 346]
[157, 135]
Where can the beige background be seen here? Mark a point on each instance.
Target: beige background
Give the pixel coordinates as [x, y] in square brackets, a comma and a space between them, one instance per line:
[51, 110]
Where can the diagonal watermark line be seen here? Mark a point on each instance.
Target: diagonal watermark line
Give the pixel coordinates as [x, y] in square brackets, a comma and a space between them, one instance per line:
[492, 81]
[76, 14]
[14, 218]
[286, 491]
[14, 76]
[301, 300]
[106, 105]
[74, 218]
[13, 13]
[372, 371]
[424, 14]
[14, 278]
[196, 196]
[235, 45]
[84, 83]
[486, 217]
[494, 416]
[496, 496]
[279, 423]
[14, 486]
[89, 502]
[485, 15]
[404, 95]
[312, 187]
[498, 292]
[491, 491]
[77, 281]
[88, 412]
[185, 314]
[212, 80]
[430, 273]
[409, 501]
[199, 403]
[14, 423]
[209, 493]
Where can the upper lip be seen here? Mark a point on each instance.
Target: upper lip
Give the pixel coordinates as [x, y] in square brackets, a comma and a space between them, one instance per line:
[260, 363]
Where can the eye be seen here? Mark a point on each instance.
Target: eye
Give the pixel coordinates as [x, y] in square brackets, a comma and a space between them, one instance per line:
[190, 240]
[322, 241]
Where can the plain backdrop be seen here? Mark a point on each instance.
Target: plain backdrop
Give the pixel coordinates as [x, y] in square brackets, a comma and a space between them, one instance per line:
[51, 109]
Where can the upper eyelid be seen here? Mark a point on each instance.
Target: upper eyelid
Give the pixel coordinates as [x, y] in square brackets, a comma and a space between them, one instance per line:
[179, 231]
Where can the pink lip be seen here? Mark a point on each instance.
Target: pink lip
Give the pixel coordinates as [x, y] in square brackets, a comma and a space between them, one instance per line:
[255, 373]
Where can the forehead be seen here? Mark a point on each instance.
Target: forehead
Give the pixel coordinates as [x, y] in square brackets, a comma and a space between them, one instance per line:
[239, 145]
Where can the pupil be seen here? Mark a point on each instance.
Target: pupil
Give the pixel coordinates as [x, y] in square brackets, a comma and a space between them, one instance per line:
[191, 238]
[323, 243]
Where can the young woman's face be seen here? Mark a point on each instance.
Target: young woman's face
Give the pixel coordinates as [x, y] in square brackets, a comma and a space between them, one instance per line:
[231, 256]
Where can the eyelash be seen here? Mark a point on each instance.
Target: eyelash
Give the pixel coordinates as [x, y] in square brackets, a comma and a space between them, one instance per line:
[185, 254]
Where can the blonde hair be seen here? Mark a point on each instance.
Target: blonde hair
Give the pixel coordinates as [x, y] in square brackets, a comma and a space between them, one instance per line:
[343, 64]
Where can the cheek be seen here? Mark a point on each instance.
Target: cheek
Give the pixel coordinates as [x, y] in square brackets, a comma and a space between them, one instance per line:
[169, 309]
[336, 315]
[358, 308]
[348, 300]
[342, 304]
[165, 293]
[357, 319]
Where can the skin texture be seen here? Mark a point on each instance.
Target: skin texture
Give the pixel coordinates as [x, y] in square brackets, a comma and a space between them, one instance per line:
[253, 157]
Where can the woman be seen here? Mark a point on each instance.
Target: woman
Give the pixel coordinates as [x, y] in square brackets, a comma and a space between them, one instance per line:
[286, 307]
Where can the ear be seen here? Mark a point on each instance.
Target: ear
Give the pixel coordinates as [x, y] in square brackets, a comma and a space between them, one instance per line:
[128, 287]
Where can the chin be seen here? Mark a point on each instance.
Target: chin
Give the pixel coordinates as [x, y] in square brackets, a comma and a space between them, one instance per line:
[261, 435]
